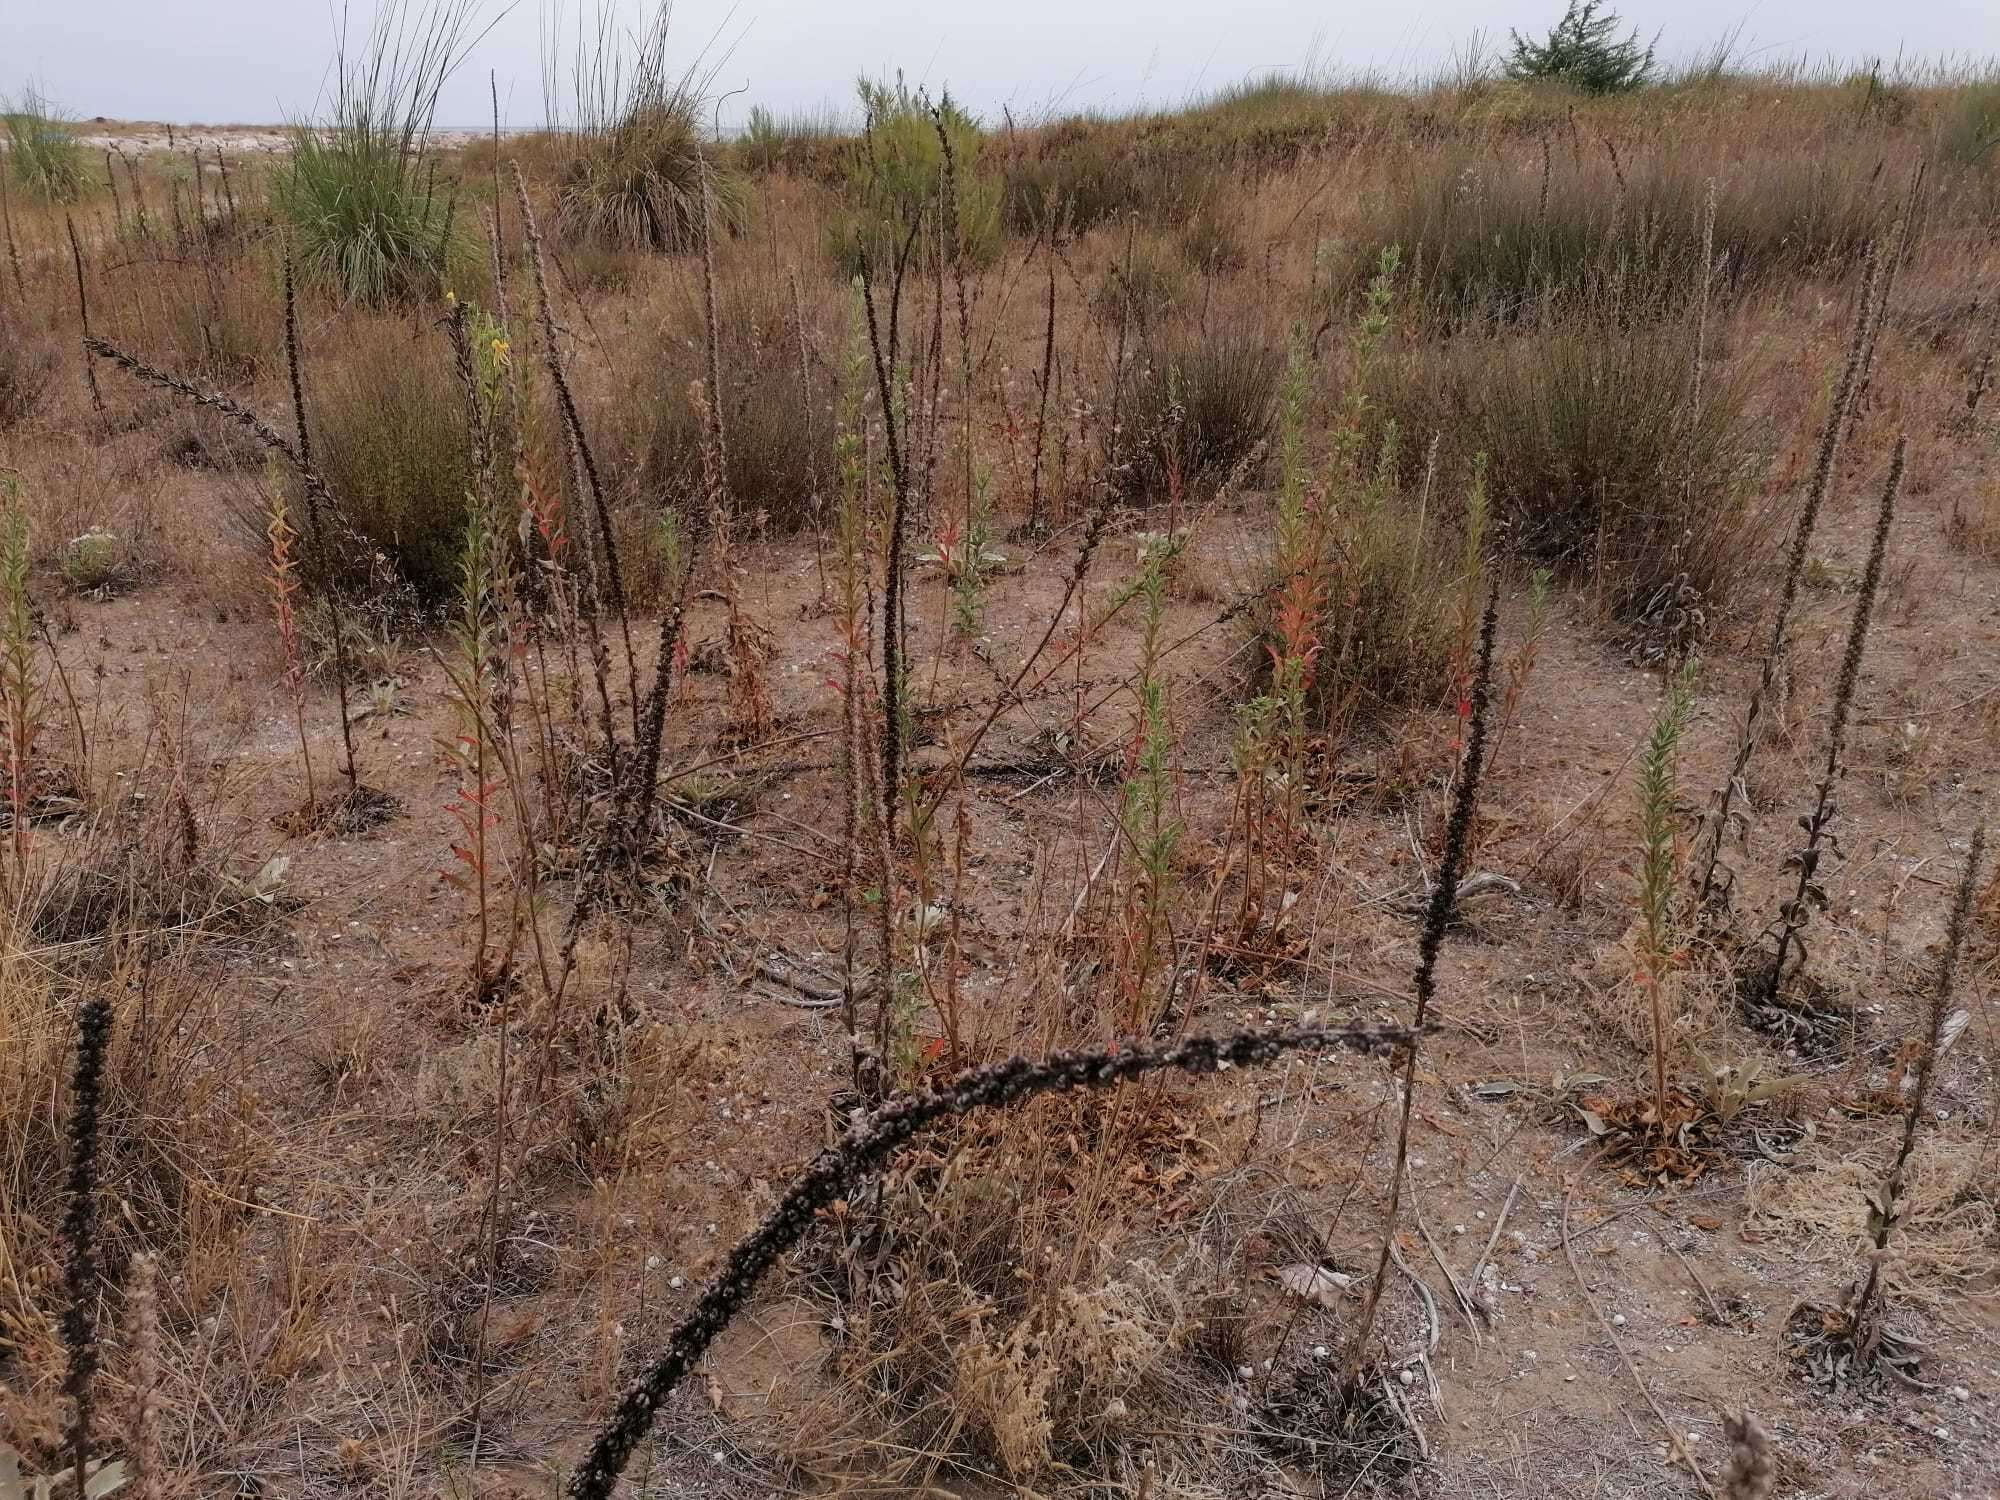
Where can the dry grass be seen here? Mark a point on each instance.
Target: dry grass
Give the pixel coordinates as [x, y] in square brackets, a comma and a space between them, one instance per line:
[436, 1120]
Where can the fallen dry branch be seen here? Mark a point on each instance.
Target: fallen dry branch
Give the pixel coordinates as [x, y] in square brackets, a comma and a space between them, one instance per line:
[871, 1142]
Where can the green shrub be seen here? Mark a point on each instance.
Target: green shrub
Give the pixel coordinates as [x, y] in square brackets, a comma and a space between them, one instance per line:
[42, 153]
[389, 434]
[1599, 462]
[1582, 50]
[895, 181]
[1970, 132]
[1197, 405]
[360, 197]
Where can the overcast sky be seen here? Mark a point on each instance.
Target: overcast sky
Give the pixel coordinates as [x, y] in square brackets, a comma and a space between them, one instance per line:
[257, 61]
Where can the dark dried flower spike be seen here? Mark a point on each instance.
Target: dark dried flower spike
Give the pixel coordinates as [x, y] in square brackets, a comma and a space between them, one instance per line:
[1938, 1010]
[1709, 851]
[1793, 914]
[1458, 830]
[614, 578]
[1437, 917]
[1864, 606]
[316, 520]
[83, 316]
[872, 1141]
[79, 1324]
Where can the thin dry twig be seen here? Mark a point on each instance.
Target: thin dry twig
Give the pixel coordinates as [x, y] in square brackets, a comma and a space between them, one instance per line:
[1674, 1441]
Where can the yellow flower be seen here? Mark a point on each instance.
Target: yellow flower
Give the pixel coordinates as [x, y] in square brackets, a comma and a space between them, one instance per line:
[450, 298]
[500, 348]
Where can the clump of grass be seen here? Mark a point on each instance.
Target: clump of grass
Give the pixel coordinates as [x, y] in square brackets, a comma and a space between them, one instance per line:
[42, 152]
[801, 141]
[631, 161]
[1079, 175]
[1499, 242]
[772, 463]
[1198, 404]
[389, 436]
[1969, 134]
[360, 198]
[1602, 466]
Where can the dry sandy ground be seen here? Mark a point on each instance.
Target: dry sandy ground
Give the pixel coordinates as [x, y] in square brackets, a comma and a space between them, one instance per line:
[1699, 1277]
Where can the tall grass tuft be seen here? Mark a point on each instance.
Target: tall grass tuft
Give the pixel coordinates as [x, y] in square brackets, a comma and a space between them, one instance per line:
[42, 153]
[368, 219]
[631, 158]
[1494, 242]
[1200, 403]
[1969, 133]
[1599, 462]
[389, 435]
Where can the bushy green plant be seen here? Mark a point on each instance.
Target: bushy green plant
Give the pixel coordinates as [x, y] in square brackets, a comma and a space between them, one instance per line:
[360, 197]
[895, 180]
[1198, 404]
[632, 159]
[1582, 50]
[389, 434]
[42, 153]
